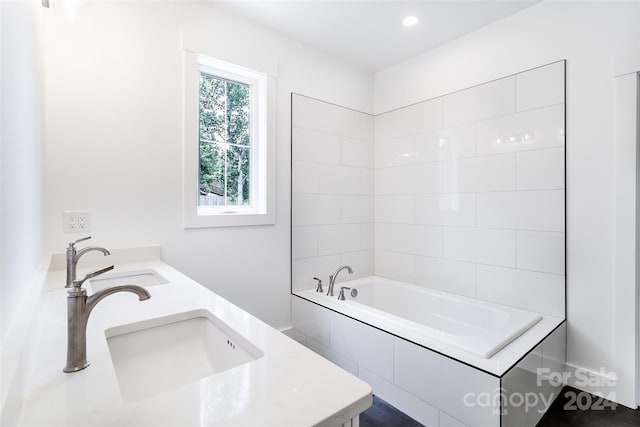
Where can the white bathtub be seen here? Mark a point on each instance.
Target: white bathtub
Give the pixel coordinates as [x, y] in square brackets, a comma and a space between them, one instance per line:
[421, 314]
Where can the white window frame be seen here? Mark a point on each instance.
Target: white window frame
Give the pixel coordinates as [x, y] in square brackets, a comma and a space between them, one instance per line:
[262, 160]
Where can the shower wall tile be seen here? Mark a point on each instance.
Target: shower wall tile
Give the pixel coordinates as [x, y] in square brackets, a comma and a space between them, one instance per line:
[416, 118]
[314, 209]
[336, 239]
[540, 210]
[306, 174]
[394, 265]
[495, 247]
[382, 237]
[304, 241]
[395, 152]
[367, 237]
[316, 146]
[445, 144]
[412, 179]
[338, 179]
[541, 251]
[463, 193]
[367, 181]
[357, 152]
[339, 120]
[416, 239]
[382, 181]
[303, 270]
[356, 209]
[530, 290]
[497, 209]
[491, 99]
[305, 112]
[428, 240]
[490, 173]
[402, 238]
[541, 169]
[361, 262]
[540, 87]
[459, 243]
[447, 275]
[529, 130]
[332, 191]
[381, 127]
[446, 209]
[367, 127]
[394, 209]
[485, 246]
[489, 185]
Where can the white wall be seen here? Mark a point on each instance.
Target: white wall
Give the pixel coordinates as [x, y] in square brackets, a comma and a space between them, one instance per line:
[587, 35]
[22, 123]
[114, 139]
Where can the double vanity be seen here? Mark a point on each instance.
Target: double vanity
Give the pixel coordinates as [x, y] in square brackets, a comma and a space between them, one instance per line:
[184, 357]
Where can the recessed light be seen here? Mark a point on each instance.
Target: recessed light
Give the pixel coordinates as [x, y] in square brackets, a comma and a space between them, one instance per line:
[410, 21]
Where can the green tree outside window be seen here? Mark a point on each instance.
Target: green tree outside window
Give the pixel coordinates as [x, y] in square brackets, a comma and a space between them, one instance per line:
[224, 141]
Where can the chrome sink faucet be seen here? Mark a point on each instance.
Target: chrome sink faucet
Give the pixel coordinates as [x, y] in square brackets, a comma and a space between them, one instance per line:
[334, 276]
[73, 256]
[79, 306]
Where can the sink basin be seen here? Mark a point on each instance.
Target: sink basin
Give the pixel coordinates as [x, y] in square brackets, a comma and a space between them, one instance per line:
[144, 278]
[157, 355]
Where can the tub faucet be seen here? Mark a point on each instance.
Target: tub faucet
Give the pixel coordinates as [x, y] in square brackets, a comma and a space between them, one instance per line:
[79, 307]
[73, 256]
[334, 276]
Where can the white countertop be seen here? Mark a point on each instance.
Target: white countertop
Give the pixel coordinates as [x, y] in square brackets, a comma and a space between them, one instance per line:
[289, 386]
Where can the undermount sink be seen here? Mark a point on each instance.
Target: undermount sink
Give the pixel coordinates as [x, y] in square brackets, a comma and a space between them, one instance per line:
[154, 356]
[144, 278]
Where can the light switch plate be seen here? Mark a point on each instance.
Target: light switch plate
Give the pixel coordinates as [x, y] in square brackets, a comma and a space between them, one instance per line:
[76, 221]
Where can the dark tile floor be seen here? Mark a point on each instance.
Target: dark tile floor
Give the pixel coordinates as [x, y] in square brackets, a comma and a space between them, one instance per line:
[561, 414]
[381, 414]
[600, 413]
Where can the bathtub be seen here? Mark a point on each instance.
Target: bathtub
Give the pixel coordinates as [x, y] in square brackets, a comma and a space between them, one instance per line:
[428, 316]
[442, 359]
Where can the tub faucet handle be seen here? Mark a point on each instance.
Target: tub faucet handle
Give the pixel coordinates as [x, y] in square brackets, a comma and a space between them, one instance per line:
[319, 288]
[341, 294]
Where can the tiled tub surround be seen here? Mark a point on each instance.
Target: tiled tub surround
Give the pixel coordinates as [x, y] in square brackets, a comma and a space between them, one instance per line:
[462, 193]
[469, 192]
[468, 199]
[332, 190]
[436, 384]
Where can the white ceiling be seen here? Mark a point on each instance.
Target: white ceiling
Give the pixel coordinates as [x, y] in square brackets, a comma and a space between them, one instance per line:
[369, 32]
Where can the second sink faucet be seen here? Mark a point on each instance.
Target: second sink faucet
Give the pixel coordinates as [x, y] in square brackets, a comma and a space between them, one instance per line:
[73, 255]
[334, 276]
[80, 305]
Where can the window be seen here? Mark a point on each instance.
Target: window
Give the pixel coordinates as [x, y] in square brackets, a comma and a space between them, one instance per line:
[229, 184]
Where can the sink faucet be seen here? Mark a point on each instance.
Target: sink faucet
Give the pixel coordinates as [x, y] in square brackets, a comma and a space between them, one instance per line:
[79, 307]
[73, 256]
[334, 276]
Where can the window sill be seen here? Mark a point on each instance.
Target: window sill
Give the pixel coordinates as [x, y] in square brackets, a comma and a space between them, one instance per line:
[228, 220]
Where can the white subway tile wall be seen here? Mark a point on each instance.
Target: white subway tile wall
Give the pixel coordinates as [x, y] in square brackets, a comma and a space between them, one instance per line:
[463, 193]
[333, 191]
[483, 169]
